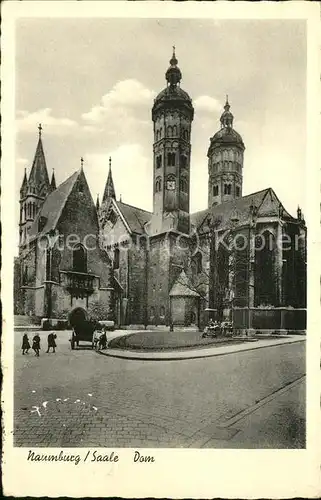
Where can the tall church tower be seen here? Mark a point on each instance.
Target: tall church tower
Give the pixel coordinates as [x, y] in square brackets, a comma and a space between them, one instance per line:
[172, 114]
[225, 162]
[34, 190]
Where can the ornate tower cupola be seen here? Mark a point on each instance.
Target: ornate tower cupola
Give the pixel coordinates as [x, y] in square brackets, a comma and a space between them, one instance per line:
[225, 161]
[172, 115]
[33, 190]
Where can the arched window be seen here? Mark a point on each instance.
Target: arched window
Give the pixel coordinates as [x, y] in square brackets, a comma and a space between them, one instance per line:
[184, 185]
[265, 275]
[79, 259]
[174, 131]
[215, 190]
[197, 262]
[225, 154]
[185, 135]
[158, 185]
[171, 183]
[237, 191]
[227, 188]
[183, 161]
[158, 161]
[169, 131]
[171, 159]
[116, 258]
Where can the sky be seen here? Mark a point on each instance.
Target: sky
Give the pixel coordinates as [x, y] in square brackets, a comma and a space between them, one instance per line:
[91, 84]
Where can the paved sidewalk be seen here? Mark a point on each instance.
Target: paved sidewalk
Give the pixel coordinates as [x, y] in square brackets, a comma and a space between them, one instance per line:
[202, 352]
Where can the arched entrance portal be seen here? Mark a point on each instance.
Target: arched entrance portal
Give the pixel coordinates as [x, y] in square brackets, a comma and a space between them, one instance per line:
[77, 316]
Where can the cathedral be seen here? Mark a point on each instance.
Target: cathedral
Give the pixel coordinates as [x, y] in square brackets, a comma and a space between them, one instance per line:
[242, 258]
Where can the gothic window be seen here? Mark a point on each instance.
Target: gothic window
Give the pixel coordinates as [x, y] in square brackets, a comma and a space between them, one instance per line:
[174, 131]
[112, 217]
[183, 161]
[185, 135]
[158, 161]
[265, 277]
[171, 159]
[158, 185]
[183, 185]
[225, 154]
[215, 190]
[48, 264]
[25, 276]
[171, 183]
[197, 263]
[169, 131]
[162, 311]
[227, 188]
[116, 258]
[230, 166]
[79, 259]
[237, 191]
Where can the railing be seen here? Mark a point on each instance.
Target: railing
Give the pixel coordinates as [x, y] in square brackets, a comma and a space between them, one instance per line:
[79, 284]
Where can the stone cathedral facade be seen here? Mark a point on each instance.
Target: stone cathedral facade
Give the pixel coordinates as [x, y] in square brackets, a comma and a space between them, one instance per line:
[242, 257]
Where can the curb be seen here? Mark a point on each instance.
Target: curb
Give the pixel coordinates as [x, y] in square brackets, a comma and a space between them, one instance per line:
[181, 355]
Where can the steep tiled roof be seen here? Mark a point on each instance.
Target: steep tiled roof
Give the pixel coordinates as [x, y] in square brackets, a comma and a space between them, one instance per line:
[53, 206]
[265, 201]
[135, 217]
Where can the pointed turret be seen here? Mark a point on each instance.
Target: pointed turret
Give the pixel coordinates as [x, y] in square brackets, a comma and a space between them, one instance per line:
[39, 178]
[53, 181]
[109, 188]
[97, 203]
[24, 185]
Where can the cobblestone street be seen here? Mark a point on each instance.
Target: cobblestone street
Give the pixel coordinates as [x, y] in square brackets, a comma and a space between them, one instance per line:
[80, 398]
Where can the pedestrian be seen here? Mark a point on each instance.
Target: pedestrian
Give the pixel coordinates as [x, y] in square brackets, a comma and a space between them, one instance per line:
[25, 344]
[36, 344]
[52, 342]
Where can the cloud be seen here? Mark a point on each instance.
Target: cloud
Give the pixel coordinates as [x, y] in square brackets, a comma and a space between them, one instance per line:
[207, 104]
[125, 97]
[132, 173]
[28, 122]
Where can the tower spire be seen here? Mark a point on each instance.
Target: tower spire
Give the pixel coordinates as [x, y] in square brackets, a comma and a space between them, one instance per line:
[173, 74]
[39, 178]
[227, 117]
[97, 202]
[81, 163]
[109, 188]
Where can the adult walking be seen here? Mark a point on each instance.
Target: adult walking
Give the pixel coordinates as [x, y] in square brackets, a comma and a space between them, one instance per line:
[52, 342]
[25, 344]
[36, 344]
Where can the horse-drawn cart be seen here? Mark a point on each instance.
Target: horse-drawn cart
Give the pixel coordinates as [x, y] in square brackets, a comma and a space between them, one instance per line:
[84, 332]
